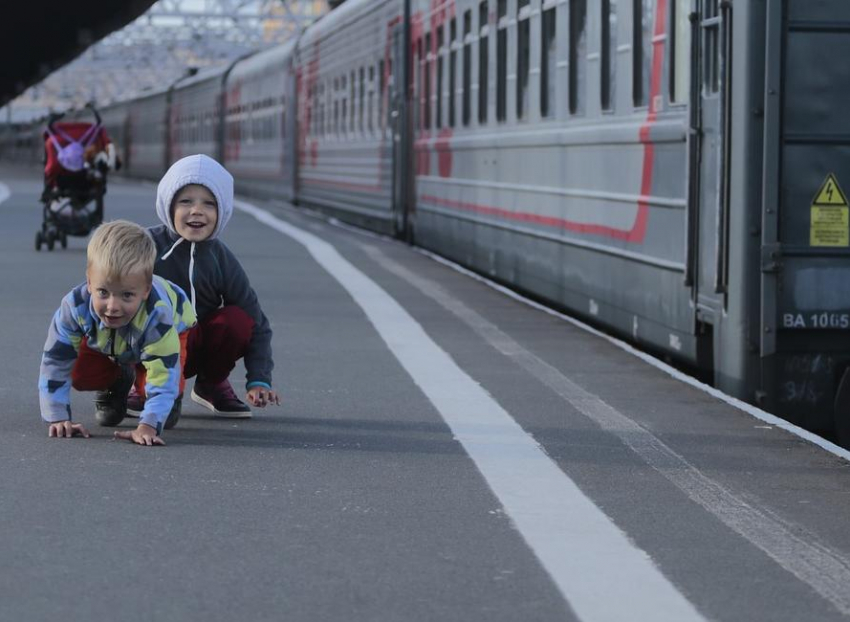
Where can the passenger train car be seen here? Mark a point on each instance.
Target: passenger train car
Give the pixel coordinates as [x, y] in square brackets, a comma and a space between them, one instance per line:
[674, 170]
[346, 85]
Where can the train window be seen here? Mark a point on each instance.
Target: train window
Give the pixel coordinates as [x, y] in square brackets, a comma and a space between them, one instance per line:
[644, 12]
[381, 123]
[362, 103]
[680, 70]
[548, 62]
[353, 84]
[343, 117]
[452, 70]
[711, 46]
[322, 126]
[467, 65]
[417, 81]
[335, 128]
[608, 55]
[305, 113]
[483, 60]
[578, 54]
[314, 113]
[502, 60]
[439, 88]
[311, 110]
[523, 56]
[370, 108]
[427, 96]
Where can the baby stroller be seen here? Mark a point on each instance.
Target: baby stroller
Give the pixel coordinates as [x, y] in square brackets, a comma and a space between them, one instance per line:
[77, 158]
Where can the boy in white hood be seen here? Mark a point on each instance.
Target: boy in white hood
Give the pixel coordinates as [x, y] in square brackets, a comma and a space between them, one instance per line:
[194, 201]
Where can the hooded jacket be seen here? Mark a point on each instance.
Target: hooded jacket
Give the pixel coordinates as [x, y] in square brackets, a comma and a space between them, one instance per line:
[208, 271]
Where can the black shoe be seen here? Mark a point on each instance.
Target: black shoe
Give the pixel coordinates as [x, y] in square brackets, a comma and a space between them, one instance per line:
[174, 415]
[111, 405]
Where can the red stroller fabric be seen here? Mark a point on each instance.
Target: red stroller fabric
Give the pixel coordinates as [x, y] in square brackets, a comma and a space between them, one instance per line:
[76, 130]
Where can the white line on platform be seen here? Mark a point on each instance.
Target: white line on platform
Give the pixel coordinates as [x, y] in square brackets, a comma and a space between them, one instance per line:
[790, 545]
[5, 193]
[573, 539]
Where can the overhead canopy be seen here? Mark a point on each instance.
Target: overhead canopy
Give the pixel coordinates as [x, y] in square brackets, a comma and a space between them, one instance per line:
[36, 38]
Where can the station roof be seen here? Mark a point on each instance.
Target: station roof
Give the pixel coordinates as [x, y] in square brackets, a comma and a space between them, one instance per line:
[36, 38]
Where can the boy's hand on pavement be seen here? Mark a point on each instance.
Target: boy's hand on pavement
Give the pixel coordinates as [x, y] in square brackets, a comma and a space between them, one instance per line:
[261, 397]
[67, 429]
[142, 435]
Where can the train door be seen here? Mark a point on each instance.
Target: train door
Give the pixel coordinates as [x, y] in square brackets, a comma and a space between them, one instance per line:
[710, 94]
[397, 129]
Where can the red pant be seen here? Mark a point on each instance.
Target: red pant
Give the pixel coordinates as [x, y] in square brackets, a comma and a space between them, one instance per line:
[94, 371]
[213, 346]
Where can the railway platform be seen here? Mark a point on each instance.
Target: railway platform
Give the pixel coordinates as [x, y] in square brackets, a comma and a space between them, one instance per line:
[444, 450]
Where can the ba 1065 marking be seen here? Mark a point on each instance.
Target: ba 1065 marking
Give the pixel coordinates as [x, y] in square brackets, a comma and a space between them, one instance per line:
[823, 319]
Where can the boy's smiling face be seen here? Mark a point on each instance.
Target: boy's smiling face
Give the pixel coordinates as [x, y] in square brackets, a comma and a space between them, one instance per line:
[194, 212]
[116, 301]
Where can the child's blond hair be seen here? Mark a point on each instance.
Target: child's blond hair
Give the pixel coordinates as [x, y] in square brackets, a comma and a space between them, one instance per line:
[121, 248]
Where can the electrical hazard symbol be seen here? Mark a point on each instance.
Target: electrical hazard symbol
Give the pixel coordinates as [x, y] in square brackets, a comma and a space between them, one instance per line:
[830, 224]
[830, 193]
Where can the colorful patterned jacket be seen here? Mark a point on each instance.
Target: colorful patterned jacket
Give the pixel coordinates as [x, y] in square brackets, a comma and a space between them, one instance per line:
[151, 337]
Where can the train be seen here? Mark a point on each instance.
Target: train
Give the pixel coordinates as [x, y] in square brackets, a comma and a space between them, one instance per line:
[675, 171]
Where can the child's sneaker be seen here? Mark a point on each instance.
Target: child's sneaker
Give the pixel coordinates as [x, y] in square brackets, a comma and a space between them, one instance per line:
[220, 398]
[111, 405]
[135, 403]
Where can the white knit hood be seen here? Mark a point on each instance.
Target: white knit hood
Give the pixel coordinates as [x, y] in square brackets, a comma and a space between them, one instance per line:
[201, 170]
[204, 171]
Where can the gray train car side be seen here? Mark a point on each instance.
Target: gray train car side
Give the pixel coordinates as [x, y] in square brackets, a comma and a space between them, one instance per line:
[579, 196]
[146, 136]
[345, 145]
[195, 115]
[260, 123]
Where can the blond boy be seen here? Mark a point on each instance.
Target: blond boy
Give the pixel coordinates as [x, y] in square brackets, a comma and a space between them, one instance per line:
[122, 315]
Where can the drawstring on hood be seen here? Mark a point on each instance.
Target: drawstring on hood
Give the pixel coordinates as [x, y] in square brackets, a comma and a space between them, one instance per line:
[204, 171]
[191, 267]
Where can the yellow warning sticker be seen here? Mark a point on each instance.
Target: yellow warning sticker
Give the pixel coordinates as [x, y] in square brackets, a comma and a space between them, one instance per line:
[830, 224]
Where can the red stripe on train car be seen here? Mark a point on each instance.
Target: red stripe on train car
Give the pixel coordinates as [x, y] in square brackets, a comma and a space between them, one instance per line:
[637, 233]
[535, 219]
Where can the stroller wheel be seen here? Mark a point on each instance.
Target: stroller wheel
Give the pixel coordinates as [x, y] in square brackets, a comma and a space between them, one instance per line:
[51, 240]
[38, 240]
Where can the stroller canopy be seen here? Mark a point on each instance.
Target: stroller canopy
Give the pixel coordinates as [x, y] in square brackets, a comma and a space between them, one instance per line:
[68, 145]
